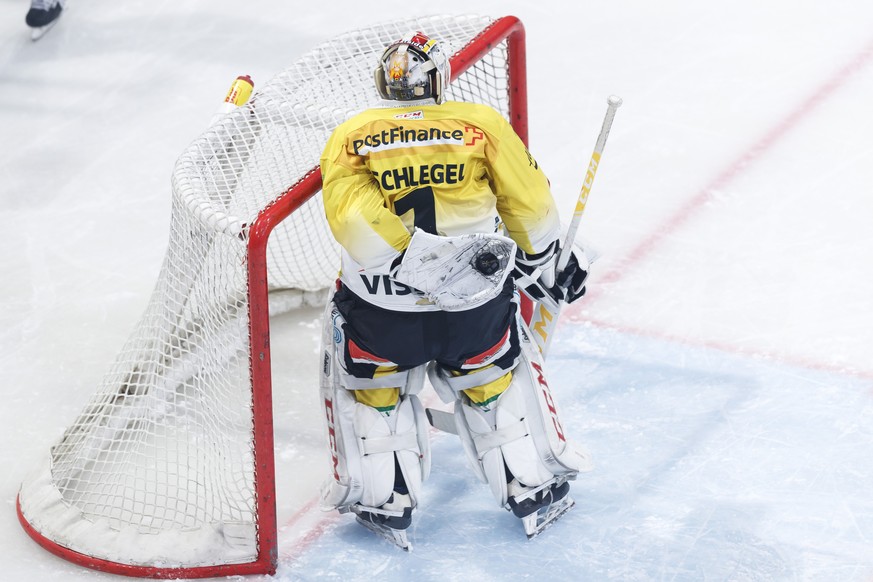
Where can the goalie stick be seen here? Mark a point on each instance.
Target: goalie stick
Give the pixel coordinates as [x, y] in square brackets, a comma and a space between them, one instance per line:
[545, 315]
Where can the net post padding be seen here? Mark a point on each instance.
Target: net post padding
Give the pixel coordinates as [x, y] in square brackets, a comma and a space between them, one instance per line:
[129, 487]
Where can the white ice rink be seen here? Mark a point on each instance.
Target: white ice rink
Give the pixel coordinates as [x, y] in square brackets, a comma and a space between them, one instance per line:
[719, 371]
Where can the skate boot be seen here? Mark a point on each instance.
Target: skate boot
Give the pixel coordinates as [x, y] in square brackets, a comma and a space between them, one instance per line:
[539, 507]
[390, 521]
[43, 14]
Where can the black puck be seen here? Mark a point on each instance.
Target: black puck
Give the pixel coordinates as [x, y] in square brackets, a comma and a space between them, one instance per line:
[486, 263]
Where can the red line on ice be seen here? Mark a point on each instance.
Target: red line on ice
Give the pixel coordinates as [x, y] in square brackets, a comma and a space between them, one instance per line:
[796, 361]
[737, 167]
[693, 206]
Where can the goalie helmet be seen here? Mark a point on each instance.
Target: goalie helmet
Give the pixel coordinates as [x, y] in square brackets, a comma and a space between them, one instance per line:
[414, 67]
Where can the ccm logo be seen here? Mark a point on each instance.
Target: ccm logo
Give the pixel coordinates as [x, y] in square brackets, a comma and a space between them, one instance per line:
[550, 403]
[331, 437]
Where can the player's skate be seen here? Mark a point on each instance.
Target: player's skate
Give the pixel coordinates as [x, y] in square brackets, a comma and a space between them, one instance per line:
[42, 16]
[389, 521]
[539, 507]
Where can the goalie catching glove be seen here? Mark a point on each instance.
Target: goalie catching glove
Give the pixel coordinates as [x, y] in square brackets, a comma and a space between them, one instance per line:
[456, 273]
[536, 273]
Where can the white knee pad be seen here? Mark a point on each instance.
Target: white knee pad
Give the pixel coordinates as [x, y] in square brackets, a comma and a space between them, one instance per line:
[521, 429]
[363, 442]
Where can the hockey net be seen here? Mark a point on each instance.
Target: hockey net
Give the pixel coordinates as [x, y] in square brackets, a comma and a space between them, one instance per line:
[168, 471]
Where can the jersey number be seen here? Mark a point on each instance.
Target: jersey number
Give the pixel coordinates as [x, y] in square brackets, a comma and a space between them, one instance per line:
[420, 201]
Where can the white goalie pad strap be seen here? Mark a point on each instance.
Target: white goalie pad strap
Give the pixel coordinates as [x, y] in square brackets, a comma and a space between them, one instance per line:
[394, 380]
[414, 382]
[409, 381]
[503, 435]
[447, 386]
[389, 444]
[460, 272]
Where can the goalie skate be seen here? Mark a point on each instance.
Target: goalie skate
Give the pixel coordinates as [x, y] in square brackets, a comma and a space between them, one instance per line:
[380, 522]
[541, 507]
[42, 16]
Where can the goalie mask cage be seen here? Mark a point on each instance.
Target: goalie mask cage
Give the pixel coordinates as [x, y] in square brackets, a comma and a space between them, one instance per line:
[168, 472]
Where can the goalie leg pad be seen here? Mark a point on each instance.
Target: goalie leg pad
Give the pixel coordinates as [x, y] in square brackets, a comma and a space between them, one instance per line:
[368, 446]
[520, 431]
[500, 438]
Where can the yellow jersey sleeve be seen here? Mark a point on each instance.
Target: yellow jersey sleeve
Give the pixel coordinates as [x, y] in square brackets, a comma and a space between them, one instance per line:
[524, 198]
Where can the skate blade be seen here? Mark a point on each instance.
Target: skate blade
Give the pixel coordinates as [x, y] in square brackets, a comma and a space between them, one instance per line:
[397, 537]
[535, 523]
[38, 33]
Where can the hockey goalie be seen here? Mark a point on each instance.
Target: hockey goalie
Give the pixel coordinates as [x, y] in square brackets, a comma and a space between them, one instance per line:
[442, 214]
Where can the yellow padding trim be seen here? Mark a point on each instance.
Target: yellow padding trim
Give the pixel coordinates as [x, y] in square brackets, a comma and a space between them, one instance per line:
[384, 371]
[382, 399]
[482, 395]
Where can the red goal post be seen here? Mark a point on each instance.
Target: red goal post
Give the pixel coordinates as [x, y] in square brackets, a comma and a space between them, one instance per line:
[169, 470]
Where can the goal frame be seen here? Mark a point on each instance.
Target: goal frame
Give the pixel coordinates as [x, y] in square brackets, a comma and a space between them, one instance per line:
[509, 29]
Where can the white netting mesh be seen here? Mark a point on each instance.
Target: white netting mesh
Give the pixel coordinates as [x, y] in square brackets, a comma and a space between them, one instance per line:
[159, 466]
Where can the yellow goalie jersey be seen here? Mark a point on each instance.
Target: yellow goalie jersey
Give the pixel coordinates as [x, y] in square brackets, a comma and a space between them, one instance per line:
[450, 169]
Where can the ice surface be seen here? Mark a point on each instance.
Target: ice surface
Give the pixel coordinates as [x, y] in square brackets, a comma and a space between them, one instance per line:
[719, 370]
